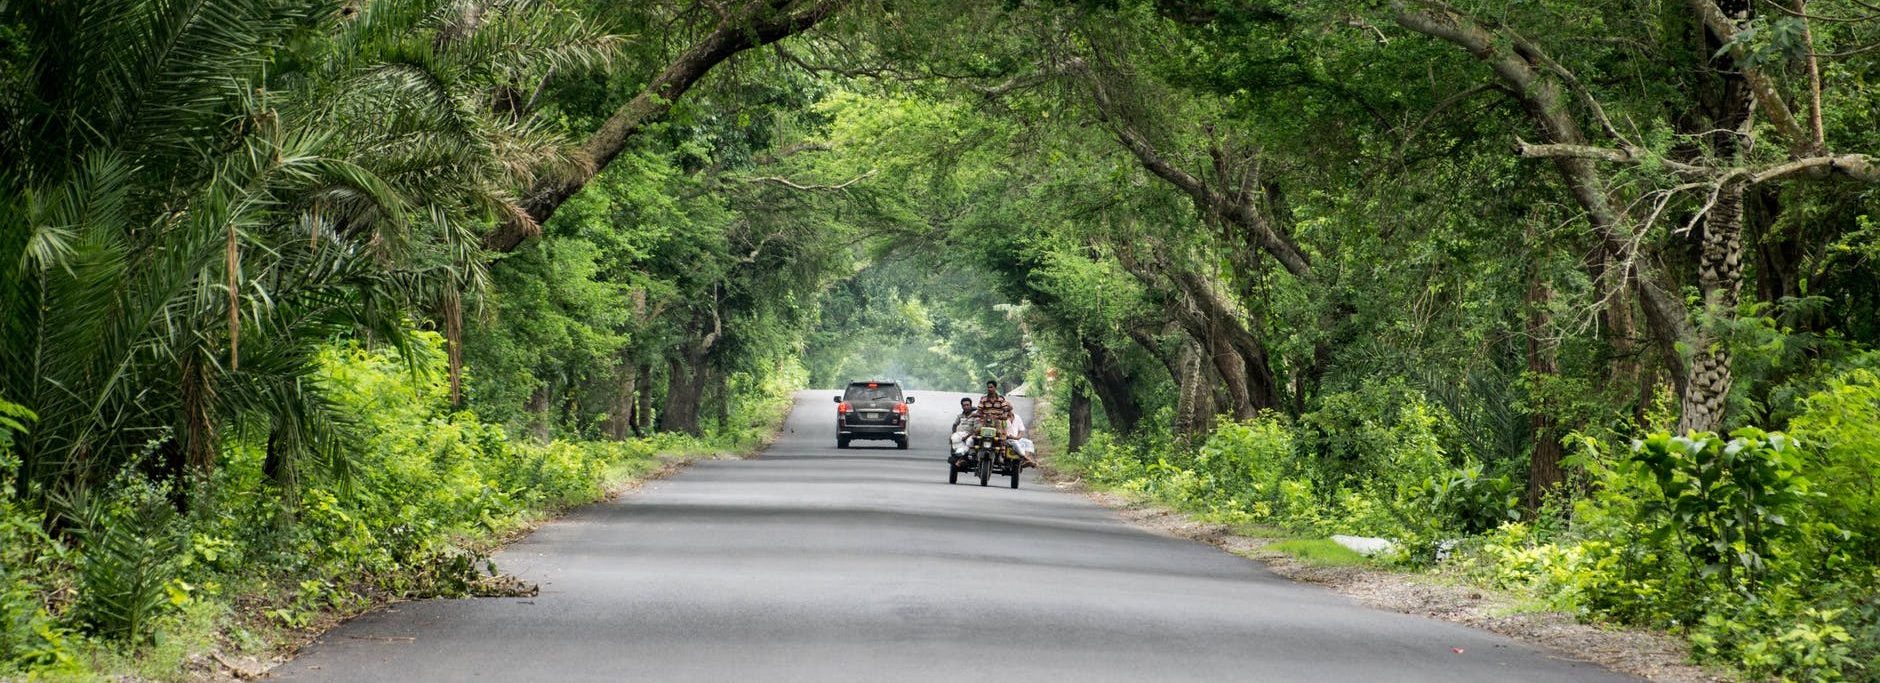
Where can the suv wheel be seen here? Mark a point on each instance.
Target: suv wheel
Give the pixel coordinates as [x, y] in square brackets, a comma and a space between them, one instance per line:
[901, 443]
[842, 442]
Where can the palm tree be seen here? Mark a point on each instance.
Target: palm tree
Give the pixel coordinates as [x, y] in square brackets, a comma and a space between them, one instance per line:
[201, 194]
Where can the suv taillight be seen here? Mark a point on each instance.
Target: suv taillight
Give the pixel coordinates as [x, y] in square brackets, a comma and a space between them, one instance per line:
[842, 407]
[900, 408]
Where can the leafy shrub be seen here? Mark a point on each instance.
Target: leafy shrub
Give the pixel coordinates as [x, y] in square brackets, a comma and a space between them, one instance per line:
[14, 419]
[406, 509]
[1398, 480]
[1468, 500]
[128, 577]
[1725, 503]
[30, 637]
[1841, 426]
[1728, 540]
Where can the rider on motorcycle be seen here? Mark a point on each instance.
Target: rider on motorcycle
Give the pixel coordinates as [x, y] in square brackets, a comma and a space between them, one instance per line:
[995, 411]
[993, 408]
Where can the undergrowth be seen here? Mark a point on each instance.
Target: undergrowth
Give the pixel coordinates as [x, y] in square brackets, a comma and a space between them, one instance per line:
[1761, 548]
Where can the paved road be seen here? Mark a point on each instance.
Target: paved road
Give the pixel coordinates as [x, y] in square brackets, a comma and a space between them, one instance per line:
[817, 564]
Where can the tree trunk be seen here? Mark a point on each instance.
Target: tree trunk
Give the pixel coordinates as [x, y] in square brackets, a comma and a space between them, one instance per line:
[620, 418]
[199, 425]
[1720, 277]
[1612, 284]
[1079, 417]
[1544, 472]
[1113, 387]
[1720, 261]
[688, 375]
[1194, 405]
[1237, 354]
[452, 310]
[754, 24]
[537, 408]
[1780, 254]
[1153, 346]
[685, 386]
[276, 464]
[1232, 370]
[642, 419]
[721, 399]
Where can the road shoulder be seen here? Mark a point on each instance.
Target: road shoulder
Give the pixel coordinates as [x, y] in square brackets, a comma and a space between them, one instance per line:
[1647, 654]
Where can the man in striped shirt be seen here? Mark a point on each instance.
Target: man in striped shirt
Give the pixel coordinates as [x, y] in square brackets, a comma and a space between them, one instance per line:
[993, 408]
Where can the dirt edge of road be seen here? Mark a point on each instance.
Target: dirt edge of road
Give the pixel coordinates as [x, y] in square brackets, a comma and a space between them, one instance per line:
[1647, 654]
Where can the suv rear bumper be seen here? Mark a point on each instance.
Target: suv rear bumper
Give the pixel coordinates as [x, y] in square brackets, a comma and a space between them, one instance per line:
[872, 431]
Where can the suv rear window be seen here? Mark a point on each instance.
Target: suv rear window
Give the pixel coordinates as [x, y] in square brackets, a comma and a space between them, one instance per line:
[873, 391]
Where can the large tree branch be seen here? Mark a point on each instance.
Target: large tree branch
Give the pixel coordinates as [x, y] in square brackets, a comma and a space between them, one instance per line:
[1855, 166]
[1022, 81]
[786, 182]
[1238, 210]
[755, 23]
[1768, 98]
[1522, 70]
[1627, 156]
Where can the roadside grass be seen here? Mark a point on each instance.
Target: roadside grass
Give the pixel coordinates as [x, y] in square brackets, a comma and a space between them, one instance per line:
[1321, 552]
[1267, 531]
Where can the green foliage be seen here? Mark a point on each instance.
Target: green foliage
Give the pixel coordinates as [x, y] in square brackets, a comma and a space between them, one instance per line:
[1728, 502]
[1732, 541]
[31, 566]
[1471, 500]
[1841, 426]
[129, 580]
[1262, 472]
[14, 421]
[425, 484]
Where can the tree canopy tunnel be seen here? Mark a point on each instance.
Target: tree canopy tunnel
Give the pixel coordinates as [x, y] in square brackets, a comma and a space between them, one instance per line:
[621, 218]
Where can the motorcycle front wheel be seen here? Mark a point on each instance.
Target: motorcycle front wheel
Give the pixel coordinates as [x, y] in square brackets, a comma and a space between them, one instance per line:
[985, 469]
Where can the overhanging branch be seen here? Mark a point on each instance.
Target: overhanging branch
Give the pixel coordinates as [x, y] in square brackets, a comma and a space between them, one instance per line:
[1853, 166]
[810, 187]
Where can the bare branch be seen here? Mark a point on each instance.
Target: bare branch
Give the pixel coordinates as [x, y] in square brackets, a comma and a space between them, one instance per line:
[1853, 166]
[786, 182]
[790, 150]
[1856, 166]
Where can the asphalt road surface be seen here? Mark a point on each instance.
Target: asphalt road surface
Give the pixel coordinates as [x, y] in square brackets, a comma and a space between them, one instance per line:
[817, 564]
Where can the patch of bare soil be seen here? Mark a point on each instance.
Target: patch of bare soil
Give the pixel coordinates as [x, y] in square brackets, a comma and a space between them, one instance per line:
[1648, 654]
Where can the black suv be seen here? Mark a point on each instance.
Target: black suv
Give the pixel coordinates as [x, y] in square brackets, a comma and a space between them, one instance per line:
[872, 410]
